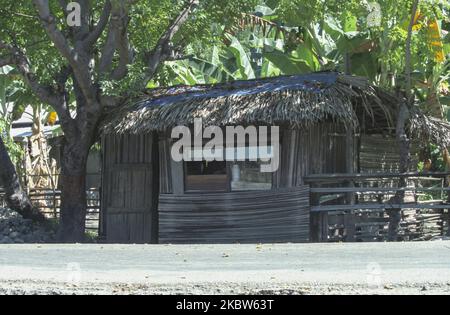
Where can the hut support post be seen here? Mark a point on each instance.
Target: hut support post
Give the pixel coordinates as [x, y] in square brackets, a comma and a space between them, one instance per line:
[350, 197]
[323, 227]
[446, 212]
[155, 189]
[448, 215]
[405, 157]
[315, 220]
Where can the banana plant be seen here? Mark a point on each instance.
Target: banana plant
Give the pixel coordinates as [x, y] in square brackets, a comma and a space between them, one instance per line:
[256, 48]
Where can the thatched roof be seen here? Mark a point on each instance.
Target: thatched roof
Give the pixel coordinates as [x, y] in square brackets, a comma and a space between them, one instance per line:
[429, 129]
[298, 101]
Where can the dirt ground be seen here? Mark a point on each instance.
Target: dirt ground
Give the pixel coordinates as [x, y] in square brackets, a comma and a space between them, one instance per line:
[341, 268]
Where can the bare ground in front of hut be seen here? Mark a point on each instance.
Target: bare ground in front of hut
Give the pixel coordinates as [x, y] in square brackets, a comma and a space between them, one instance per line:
[344, 268]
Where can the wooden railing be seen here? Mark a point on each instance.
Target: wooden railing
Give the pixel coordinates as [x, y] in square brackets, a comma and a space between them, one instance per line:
[340, 202]
[49, 203]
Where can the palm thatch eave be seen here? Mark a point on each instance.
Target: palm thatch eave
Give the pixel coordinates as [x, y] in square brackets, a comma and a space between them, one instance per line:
[427, 129]
[298, 101]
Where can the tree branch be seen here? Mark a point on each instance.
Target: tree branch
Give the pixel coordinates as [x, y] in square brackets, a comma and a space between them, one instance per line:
[101, 25]
[19, 59]
[126, 57]
[108, 51]
[52, 30]
[162, 50]
[124, 50]
[117, 40]
[5, 61]
[63, 4]
[78, 59]
[408, 87]
[62, 77]
[47, 94]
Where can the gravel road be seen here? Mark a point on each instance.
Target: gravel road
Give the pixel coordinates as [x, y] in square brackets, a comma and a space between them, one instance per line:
[341, 268]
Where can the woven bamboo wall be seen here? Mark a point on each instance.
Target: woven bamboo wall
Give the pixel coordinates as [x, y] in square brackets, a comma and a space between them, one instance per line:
[415, 225]
[379, 153]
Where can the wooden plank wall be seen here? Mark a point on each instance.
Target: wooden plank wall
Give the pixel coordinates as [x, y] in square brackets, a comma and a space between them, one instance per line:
[267, 216]
[244, 217]
[322, 148]
[165, 169]
[319, 149]
[128, 207]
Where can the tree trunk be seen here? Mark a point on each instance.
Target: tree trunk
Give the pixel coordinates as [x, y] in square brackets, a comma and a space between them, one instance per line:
[73, 194]
[403, 140]
[15, 196]
[404, 163]
[400, 132]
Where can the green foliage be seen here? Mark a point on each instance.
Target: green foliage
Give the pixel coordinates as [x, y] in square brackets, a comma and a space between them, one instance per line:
[148, 21]
[15, 150]
[318, 41]
[8, 87]
[437, 161]
[5, 83]
[258, 49]
[318, 35]
[91, 237]
[305, 13]
[242, 59]
[281, 37]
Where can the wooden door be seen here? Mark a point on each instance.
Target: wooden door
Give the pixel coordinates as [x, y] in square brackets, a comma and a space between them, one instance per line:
[130, 184]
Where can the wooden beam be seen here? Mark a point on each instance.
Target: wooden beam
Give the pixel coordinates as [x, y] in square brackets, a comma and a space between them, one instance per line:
[359, 176]
[374, 190]
[380, 206]
[177, 169]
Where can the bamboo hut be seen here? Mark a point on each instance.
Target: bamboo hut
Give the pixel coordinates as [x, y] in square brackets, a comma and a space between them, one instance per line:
[328, 123]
